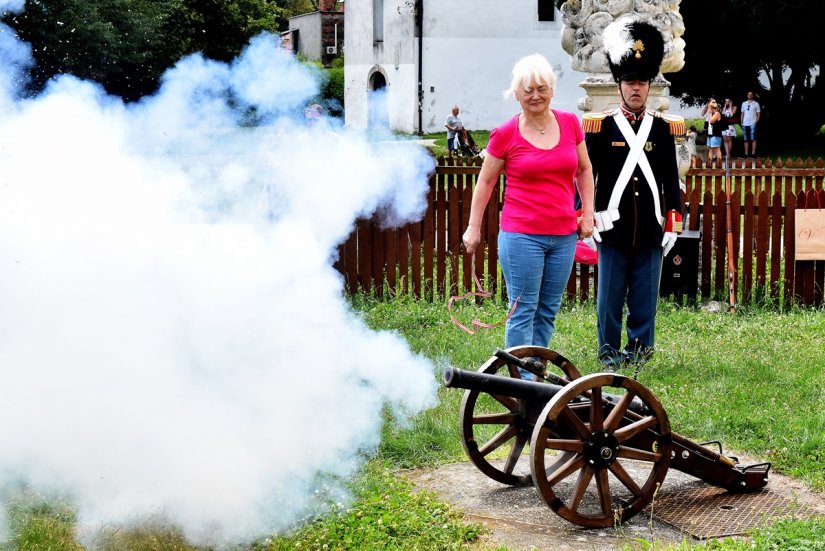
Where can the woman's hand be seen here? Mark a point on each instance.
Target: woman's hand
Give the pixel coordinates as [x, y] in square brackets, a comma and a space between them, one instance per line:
[585, 227]
[471, 238]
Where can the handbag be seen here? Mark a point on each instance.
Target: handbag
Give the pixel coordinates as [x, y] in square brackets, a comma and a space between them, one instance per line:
[810, 231]
[586, 253]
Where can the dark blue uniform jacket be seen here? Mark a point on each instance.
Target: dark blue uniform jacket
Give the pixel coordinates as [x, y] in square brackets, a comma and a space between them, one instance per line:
[637, 226]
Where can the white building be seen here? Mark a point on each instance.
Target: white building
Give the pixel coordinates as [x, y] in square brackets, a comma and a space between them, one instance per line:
[446, 53]
[318, 35]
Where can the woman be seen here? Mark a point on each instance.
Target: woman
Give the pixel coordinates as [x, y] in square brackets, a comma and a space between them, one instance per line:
[715, 125]
[729, 112]
[691, 147]
[543, 154]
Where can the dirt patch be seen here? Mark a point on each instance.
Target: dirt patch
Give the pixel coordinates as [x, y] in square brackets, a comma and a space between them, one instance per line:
[518, 518]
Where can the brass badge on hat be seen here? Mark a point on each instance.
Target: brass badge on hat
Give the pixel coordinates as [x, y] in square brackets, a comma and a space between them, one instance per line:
[638, 47]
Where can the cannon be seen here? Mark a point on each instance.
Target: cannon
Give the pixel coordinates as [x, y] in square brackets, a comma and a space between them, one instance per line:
[600, 444]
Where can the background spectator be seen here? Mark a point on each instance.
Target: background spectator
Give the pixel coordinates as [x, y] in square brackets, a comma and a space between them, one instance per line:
[453, 125]
[751, 113]
[715, 124]
[731, 115]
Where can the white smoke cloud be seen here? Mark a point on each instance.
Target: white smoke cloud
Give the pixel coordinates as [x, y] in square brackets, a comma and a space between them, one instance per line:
[15, 58]
[173, 338]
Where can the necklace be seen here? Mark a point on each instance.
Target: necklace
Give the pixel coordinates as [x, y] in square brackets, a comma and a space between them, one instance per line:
[537, 129]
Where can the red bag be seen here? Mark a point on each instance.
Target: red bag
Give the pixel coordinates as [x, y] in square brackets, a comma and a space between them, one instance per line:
[585, 254]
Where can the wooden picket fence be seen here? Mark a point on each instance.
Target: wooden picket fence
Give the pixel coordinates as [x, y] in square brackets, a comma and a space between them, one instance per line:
[424, 259]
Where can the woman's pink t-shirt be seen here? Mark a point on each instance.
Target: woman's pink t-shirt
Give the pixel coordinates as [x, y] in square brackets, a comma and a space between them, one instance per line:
[540, 192]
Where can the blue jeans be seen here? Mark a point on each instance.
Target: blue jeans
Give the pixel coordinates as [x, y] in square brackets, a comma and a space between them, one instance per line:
[749, 132]
[536, 269]
[632, 274]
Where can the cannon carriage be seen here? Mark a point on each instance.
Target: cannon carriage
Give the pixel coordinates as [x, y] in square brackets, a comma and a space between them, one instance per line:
[600, 444]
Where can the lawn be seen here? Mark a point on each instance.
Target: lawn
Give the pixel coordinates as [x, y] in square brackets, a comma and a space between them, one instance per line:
[769, 149]
[753, 380]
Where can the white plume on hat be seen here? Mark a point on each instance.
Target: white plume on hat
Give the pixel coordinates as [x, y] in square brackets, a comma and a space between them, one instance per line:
[634, 48]
[617, 39]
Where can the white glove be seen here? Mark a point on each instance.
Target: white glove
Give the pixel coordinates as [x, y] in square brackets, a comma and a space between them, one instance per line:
[668, 240]
[596, 235]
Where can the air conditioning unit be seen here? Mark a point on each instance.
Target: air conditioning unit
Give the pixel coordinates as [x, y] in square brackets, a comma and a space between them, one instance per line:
[332, 50]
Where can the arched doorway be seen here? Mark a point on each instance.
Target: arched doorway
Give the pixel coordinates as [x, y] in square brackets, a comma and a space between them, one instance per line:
[377, 113]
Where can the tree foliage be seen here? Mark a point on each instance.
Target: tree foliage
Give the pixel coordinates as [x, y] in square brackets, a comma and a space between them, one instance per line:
[773, 48]
[125, 45]
[219, 29]
[331, 94]
[115, 42]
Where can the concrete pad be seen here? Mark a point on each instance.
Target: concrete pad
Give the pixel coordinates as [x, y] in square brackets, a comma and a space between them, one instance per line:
[518, 518]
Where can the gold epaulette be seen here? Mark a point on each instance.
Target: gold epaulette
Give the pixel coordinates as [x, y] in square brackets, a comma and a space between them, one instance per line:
[676, 123]
[592, 122]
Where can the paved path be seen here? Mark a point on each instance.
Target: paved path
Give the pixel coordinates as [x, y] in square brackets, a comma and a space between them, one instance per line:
[519, 519]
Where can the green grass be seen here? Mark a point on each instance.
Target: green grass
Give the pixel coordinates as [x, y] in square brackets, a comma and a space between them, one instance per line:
[753, 380]
[784, 535]
[388, 514]
[481, 137]
[37, 523]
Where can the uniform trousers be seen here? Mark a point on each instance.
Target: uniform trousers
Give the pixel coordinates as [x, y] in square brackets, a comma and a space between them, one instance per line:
[632, 274]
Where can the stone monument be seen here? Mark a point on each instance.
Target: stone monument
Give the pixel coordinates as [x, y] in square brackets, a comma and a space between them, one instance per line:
[584, 22]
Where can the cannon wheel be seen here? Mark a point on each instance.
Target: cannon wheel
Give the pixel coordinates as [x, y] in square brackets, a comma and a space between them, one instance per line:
[597, 438]
[489, 422]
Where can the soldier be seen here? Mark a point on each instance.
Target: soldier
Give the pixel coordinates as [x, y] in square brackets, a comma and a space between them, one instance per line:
[638, 199]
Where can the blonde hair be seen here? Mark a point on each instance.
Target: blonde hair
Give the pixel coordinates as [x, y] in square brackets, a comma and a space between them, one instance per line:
[534, 67]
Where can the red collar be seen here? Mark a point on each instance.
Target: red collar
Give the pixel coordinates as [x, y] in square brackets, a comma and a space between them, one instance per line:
[630, 115]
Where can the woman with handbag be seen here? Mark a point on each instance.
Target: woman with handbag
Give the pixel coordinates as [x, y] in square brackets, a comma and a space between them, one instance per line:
[715, 125]
[731, 116]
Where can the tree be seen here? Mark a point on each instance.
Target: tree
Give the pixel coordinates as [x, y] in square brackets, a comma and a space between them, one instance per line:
[126, 45]
[114, 42]
[773, 48]
[297, 7]
[219, 29]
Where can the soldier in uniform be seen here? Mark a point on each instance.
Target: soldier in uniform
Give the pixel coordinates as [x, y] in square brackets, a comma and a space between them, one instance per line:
[638, 199]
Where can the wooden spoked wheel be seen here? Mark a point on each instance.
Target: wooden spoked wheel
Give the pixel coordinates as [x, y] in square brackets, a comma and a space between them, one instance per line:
[584, 441]
[496, 428]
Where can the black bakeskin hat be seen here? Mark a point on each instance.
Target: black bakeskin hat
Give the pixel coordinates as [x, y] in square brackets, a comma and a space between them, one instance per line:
[635, 49]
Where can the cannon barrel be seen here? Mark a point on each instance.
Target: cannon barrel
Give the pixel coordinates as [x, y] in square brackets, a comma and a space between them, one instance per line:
[496, 384]
[521, 389]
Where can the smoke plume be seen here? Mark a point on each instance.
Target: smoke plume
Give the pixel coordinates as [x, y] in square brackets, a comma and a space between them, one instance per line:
[173, 338]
